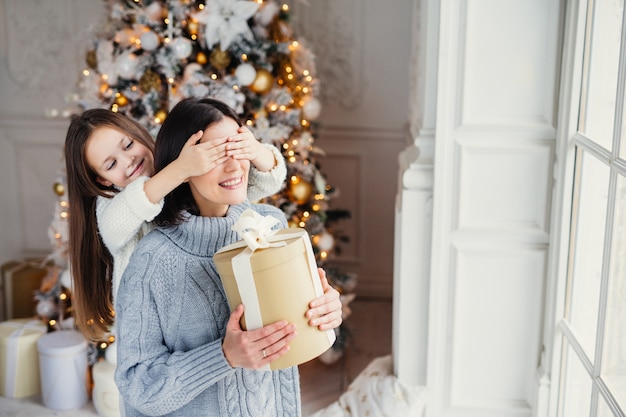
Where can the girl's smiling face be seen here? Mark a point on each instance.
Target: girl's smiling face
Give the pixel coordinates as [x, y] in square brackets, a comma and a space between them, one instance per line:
[227, 183]
[116, 158]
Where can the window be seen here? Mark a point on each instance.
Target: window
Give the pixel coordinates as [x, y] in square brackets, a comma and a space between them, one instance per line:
[592, 356]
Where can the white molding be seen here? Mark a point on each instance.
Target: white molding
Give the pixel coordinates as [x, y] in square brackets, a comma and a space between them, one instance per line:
[359, 134]
[34, 131]
[413, 212]
[443, 171]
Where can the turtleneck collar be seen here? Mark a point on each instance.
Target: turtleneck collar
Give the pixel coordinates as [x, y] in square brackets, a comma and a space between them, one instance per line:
[203, 236]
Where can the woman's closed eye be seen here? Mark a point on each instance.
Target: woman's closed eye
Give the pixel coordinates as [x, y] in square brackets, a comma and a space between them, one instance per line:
[111, 165]
[129, 144]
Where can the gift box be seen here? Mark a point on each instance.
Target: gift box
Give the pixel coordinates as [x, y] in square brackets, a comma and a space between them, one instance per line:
[106, 397]
[19, 358]
[20, 280]
[63, 366]
[274, 275]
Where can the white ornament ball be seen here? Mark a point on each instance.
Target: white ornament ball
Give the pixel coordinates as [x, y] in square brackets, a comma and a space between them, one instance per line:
[46, 307]
[154, 11]
[181, 47]
[326, 241]
[149, 41]
[126, 65]
[246, 74]
[311, 108]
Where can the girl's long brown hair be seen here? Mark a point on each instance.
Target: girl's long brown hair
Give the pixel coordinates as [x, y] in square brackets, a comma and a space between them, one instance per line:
[91, 264]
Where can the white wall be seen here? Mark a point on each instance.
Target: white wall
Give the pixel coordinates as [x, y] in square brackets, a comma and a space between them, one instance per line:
[40, 54]
[362, 65]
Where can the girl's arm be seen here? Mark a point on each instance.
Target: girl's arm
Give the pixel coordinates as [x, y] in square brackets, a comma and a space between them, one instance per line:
[265, 183]
[121, 217]
[267, 170]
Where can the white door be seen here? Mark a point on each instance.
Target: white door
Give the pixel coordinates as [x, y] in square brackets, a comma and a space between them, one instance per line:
[494, 154]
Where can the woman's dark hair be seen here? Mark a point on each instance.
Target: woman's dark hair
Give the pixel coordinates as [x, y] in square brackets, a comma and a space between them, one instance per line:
[186, 118]
[91, 263]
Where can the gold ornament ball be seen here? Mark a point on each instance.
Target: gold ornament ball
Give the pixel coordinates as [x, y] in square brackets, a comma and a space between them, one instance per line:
[219, 59]
[301, 190]
[263, 81]
[91, 59]
[59, 189]
[150, 80]
[192, 27]
[201, 58]
[160, 115]
[121, 100]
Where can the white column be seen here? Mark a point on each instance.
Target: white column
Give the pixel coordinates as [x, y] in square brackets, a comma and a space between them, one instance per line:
[413, 222]
[412, 268]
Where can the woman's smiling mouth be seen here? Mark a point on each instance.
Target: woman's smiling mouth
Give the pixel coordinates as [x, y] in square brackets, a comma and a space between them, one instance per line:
[232, 183]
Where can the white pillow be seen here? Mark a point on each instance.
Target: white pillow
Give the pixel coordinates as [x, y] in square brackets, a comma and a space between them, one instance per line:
[376, 392]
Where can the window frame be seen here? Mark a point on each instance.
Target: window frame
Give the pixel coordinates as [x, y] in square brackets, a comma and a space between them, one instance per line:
[571, 143]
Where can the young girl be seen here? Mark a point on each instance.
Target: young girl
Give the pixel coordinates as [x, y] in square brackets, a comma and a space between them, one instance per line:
[113, 197]
[181, 351]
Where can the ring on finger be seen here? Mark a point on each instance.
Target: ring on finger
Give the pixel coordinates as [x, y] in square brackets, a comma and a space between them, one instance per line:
[264, 354]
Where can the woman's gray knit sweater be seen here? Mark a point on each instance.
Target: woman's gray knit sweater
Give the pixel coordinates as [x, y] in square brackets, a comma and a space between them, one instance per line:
[171, 314]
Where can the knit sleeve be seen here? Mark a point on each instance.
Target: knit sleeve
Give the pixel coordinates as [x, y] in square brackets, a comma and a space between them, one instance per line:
[121, 217]
[152, 377]
[263, 184]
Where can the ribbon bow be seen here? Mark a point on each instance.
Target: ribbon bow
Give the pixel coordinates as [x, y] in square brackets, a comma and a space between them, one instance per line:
[255, 229]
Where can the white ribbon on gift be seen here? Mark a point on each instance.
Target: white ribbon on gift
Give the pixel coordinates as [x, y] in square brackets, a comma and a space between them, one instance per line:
[255, 230]
[13, 349]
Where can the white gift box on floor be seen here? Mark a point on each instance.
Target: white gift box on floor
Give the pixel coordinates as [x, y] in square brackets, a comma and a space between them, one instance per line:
[19, 360]
[63, 363]
[106, 397]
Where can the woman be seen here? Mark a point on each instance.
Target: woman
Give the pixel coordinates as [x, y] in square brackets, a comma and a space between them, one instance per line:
[181, 351]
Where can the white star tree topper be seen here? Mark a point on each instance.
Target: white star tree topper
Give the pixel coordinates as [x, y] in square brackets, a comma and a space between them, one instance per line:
[224, 20]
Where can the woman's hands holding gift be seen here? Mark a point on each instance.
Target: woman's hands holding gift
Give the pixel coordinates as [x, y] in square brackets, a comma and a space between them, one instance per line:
[325, 311]
[254, 349]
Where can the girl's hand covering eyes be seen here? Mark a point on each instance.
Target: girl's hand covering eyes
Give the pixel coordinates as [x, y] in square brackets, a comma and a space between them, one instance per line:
[200, 158]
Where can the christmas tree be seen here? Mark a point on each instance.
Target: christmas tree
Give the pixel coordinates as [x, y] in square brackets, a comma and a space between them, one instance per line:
[150, 54]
